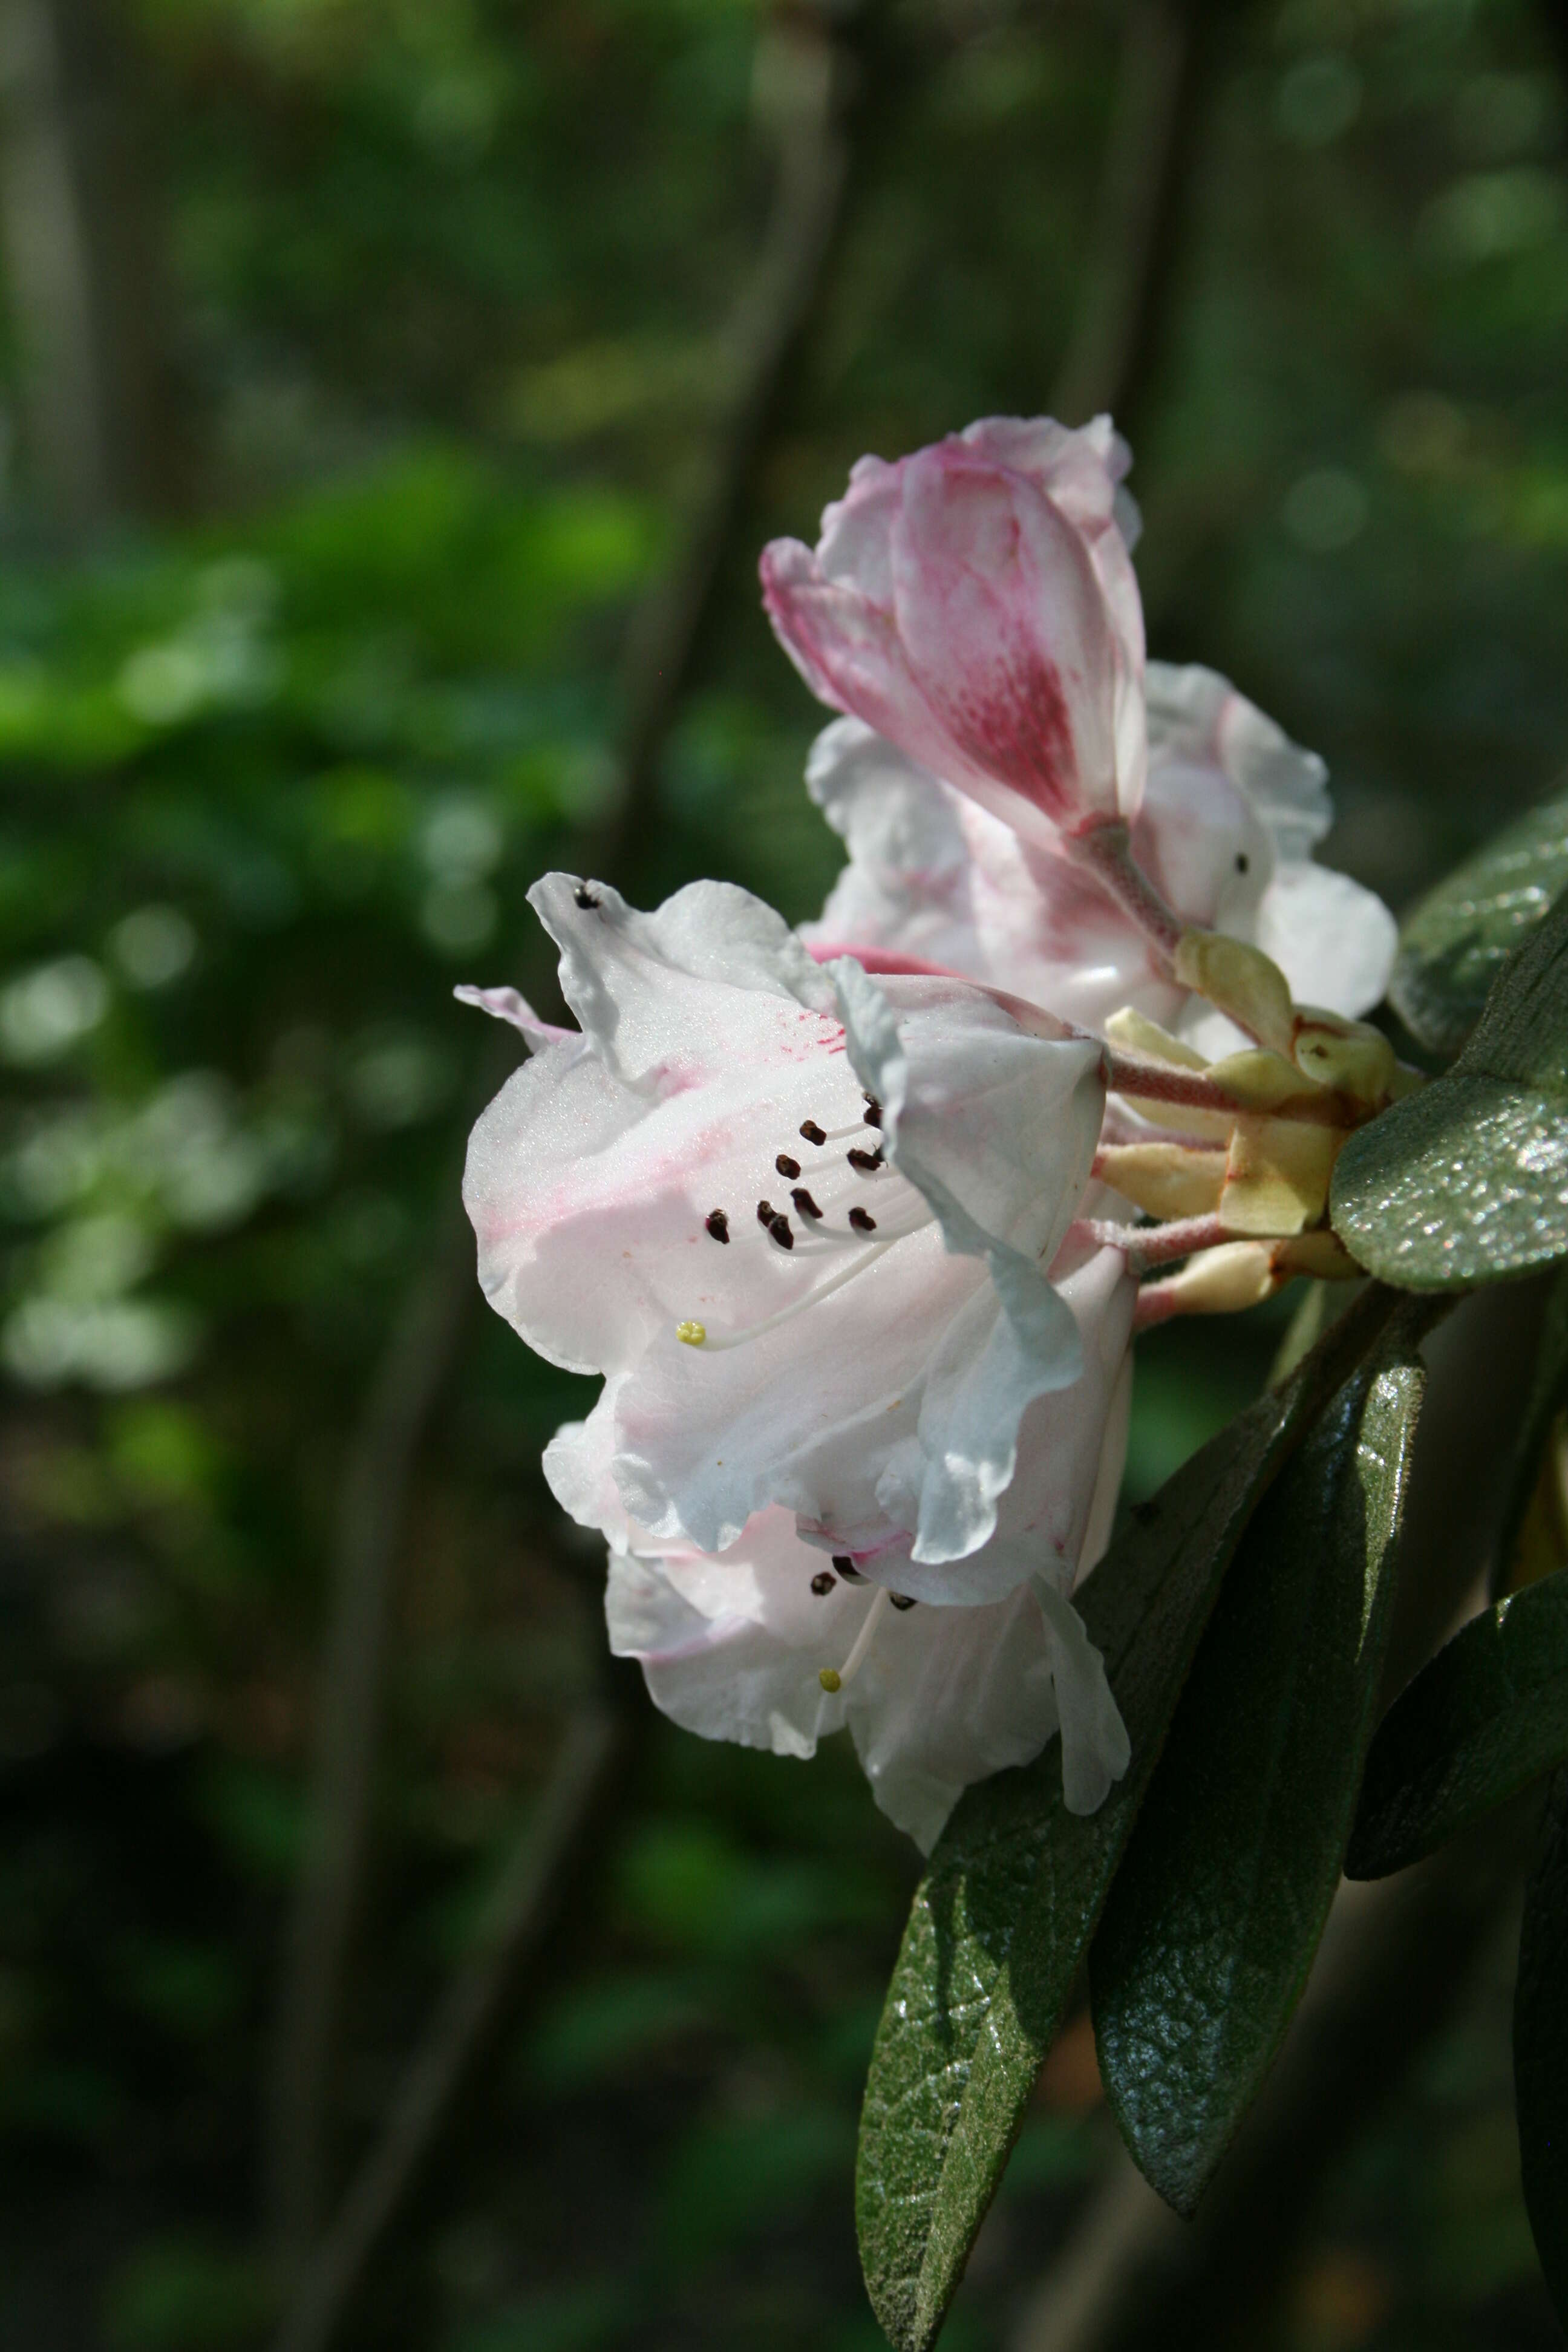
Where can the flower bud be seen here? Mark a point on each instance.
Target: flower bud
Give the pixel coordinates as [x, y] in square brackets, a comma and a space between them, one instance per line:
[977, 605]
[1278, 1174]
[1241, 980]
[1349, 1056]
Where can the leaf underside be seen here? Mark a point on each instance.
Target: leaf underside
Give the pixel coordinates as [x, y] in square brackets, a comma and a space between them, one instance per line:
[1541, 2049]
[1468, 1180]
[1487, 1717]
[1004, 1913]
[1219, 1907]
[1454, 945]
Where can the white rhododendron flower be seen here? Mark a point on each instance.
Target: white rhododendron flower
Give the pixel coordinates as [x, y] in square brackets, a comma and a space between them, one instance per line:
[934, 1696]
[817, 1233]
[1231, 813]
[831, 1213]
[976, 604]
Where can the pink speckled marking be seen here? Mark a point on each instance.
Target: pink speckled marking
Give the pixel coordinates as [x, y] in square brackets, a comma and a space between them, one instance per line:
[1015, 724]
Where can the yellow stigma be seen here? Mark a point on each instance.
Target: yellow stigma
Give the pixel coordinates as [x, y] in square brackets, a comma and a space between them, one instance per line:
[831, 1679]
[692, 1333]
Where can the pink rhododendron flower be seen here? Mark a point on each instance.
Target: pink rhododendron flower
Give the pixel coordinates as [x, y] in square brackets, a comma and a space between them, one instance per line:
[975, 604]
[1232, 811]
[816, 1231]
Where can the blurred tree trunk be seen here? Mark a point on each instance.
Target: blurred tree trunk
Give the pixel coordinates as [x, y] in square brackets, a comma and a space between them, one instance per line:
[83, 270]
[1171, 51]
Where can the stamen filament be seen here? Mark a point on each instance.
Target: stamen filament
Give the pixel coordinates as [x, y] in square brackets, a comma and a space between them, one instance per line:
[834, 1679]
[713, 1343]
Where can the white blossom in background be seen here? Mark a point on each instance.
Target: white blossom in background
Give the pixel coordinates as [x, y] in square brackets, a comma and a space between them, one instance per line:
[1232, 812]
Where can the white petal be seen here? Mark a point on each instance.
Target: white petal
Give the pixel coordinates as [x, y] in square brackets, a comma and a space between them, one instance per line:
[997, 1130]
[995, 1122]
[906, 885]
[578, 1470]
[1197, 716]
[946, 1698]
[1055, 1514]
[1107, 1477]
[663, 996]
[1204, 845]
[934, 876]
[1334, 942]
[506, 1004]
[1096, 1751]
[732, 1650]
[806, 1414]
[590, 1175]
[907, 1379]
[723, 1677]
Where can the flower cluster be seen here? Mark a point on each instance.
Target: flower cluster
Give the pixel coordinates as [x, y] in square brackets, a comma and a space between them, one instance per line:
[855, 1222]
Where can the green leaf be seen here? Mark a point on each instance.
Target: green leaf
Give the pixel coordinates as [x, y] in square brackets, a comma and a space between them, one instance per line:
[1487, 1717]
[1217, 1912]
[1548, 1395]
[1541, 2048]
[1468, 1180]
[1454, 945]
[1014, 1888]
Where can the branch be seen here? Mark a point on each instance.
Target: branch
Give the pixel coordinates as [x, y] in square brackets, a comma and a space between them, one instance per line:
[524, 1902]
[806, 76]
[403, 1392]
[103, 419]
[803, 70]
[1122, 309]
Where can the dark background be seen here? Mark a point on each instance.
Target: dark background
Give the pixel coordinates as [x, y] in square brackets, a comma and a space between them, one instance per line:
[395, 394]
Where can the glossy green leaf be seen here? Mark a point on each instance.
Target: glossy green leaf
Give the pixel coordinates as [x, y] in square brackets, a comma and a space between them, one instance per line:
[1454, 945]
[1468, 1180]
[1541, 2048]
[1548, 1395]
[1009, 1901]
[1487, 1717]
[1217, 1912]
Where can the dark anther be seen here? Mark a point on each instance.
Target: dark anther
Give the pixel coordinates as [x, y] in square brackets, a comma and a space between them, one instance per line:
[786, 1166]
[822, 1581]
[718, 1224]
[1242, 861]
[782, 1231]
[862, 1219]
[804, 1202]
[812, 1132]
[873, 1111]
[846, 1569]
[766, 1213]
[585, 897]
[868, 1162]
[902, 1600]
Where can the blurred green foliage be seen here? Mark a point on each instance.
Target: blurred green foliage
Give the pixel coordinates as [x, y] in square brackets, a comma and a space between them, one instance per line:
[452, 287]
